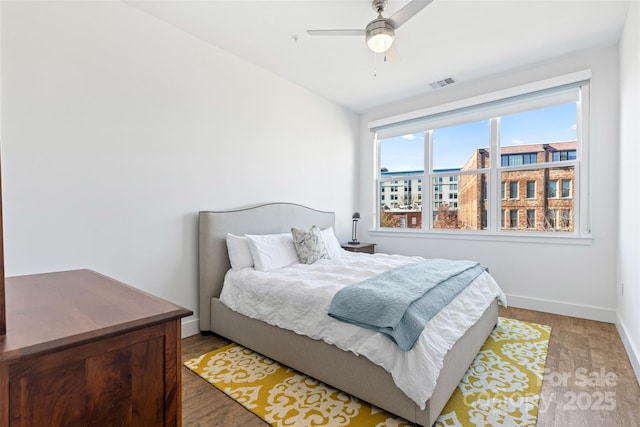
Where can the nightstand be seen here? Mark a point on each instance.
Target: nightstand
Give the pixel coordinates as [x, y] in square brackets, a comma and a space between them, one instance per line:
[368, 248]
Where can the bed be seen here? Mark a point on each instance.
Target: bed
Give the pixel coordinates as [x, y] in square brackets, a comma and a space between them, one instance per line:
[354, 374]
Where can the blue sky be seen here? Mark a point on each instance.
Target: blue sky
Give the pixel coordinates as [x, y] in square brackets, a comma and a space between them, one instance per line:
[551, 124]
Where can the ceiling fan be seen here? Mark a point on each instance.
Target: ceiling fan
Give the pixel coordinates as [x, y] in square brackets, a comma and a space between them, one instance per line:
[380, 33]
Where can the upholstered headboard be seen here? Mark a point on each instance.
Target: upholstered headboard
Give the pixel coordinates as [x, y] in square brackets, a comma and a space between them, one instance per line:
[262, 219]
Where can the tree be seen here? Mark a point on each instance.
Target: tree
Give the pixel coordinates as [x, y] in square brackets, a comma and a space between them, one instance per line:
[446, 218]
[387, 219]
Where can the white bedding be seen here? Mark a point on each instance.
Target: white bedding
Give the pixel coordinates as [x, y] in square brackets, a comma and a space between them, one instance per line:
[297, 298]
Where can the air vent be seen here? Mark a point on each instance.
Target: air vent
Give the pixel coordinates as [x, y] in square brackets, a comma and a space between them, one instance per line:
[442, 83]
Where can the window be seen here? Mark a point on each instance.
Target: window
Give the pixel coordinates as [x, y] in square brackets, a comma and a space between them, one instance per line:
[531, 189]
[552, 219]
[559, 156]
[553, 189]
[566, 188]
[513, 218]
[476, 154]
[518, 159]
[531, 218]
[513, 190]
[566, 219]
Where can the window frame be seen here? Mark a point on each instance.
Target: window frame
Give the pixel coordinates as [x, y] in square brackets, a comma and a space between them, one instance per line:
[534, 190]
[512, 185]
[554, 187]
[529, 223]
[514, 222]
[562, 193]
[579, 192]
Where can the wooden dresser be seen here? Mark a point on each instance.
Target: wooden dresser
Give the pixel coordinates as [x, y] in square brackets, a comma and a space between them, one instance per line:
[82, 349]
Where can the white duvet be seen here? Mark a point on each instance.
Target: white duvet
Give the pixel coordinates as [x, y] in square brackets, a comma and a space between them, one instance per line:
[297, 298]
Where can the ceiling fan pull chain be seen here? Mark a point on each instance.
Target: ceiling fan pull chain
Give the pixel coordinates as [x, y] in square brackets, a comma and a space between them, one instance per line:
[375, 73]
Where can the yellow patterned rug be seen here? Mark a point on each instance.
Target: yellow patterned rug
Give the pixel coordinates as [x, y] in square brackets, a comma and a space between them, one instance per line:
[501, 387]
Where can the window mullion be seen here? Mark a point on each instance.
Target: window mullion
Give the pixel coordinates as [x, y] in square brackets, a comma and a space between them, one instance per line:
[582, 197]
[377, 209]
[493, 196]
[427, 187]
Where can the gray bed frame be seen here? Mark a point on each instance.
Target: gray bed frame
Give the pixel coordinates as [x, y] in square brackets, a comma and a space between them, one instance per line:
[343, 370]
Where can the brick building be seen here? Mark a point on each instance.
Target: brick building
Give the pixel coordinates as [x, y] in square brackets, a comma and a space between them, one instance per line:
[536, 199]
[533, 199]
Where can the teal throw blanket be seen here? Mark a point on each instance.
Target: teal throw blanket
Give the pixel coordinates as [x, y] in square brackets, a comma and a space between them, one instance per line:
[400, 301]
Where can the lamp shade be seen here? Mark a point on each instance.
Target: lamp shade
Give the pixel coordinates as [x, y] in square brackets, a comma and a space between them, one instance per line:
[356, 215]
[380, 35]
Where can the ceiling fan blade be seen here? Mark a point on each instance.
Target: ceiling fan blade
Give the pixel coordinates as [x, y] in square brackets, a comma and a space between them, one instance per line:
[392, 55]
[336, 32]
[407, 12]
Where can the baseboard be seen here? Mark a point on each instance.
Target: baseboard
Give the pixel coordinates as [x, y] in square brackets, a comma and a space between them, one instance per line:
[190, 327]
[632, 352]
[574, 310]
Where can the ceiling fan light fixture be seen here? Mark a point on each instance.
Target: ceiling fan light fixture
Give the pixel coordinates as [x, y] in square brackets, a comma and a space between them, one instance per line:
[380, 35]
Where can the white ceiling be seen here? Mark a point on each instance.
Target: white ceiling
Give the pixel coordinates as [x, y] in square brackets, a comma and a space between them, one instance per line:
[463, 39]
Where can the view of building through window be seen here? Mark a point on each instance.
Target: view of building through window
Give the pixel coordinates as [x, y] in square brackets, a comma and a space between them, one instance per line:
[535, 173]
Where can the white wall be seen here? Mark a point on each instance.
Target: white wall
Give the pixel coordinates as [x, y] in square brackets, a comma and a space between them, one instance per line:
[576, 280]
[629, 225]
[117, 129]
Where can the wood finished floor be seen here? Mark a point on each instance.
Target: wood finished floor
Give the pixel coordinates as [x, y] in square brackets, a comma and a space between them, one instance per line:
[585, 359]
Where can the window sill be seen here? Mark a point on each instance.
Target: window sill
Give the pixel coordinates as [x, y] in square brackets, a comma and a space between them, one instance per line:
[522, 237]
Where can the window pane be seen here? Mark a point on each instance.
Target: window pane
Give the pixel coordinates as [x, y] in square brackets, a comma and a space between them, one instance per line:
[541, 211]
[531, 189]
[566, 188]
[567, 220]
[544, 125]
[463, 146]
[551, 219]
[402, 153]
[401, 202]
[513, 218]
[552, 189]
[531, 218]
[463, 208]
[518, 159]
[560, 156]
[401, 157]
[513, 190]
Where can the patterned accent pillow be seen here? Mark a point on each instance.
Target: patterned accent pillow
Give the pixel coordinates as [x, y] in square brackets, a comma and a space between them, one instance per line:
[309, 245]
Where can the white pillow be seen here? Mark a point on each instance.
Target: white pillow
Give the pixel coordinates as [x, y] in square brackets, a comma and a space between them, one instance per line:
[239, 252]
[331, 243]
[272, 251]
[309, 245]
